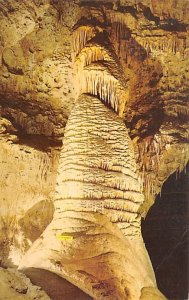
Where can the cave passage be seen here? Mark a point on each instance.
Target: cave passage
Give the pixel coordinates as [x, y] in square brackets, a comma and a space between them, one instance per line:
[165, 232]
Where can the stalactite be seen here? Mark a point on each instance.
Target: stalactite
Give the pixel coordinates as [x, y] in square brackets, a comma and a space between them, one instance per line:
[181, 110]
[100, 83]
[169, 43]
[104, 85]
[119, 23]
[90, 54]
[119, 30]
[80, 37]
[157, 149]
[150, 163]
[109, 87]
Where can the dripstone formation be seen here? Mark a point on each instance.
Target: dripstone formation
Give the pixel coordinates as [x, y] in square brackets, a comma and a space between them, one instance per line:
[94, 119]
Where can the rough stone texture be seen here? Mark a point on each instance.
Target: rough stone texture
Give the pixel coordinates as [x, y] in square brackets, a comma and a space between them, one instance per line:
[151, 41]
[133, 56]
[27, 181]
[17, 286]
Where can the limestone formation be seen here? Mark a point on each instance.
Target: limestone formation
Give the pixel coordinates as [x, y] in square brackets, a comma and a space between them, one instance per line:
[93, 120]
[14, 285]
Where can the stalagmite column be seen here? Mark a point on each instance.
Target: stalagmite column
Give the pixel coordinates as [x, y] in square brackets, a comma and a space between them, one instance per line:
[94, 240]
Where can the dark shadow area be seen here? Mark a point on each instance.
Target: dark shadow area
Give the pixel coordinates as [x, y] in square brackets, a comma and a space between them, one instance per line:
[165, 233]
[55, 286]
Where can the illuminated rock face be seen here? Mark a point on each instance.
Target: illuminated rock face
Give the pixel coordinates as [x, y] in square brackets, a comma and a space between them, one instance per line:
[97, 194]
[94, 119]
[97, 167]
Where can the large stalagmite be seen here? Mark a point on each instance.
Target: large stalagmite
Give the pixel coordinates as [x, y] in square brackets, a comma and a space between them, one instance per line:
[94, 189]
[94, 118]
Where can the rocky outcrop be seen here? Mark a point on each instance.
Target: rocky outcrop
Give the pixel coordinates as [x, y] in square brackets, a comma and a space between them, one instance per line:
[15, 285]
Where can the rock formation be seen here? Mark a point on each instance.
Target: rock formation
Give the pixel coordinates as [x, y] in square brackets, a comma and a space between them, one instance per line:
[94, 118]
[15, 285]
